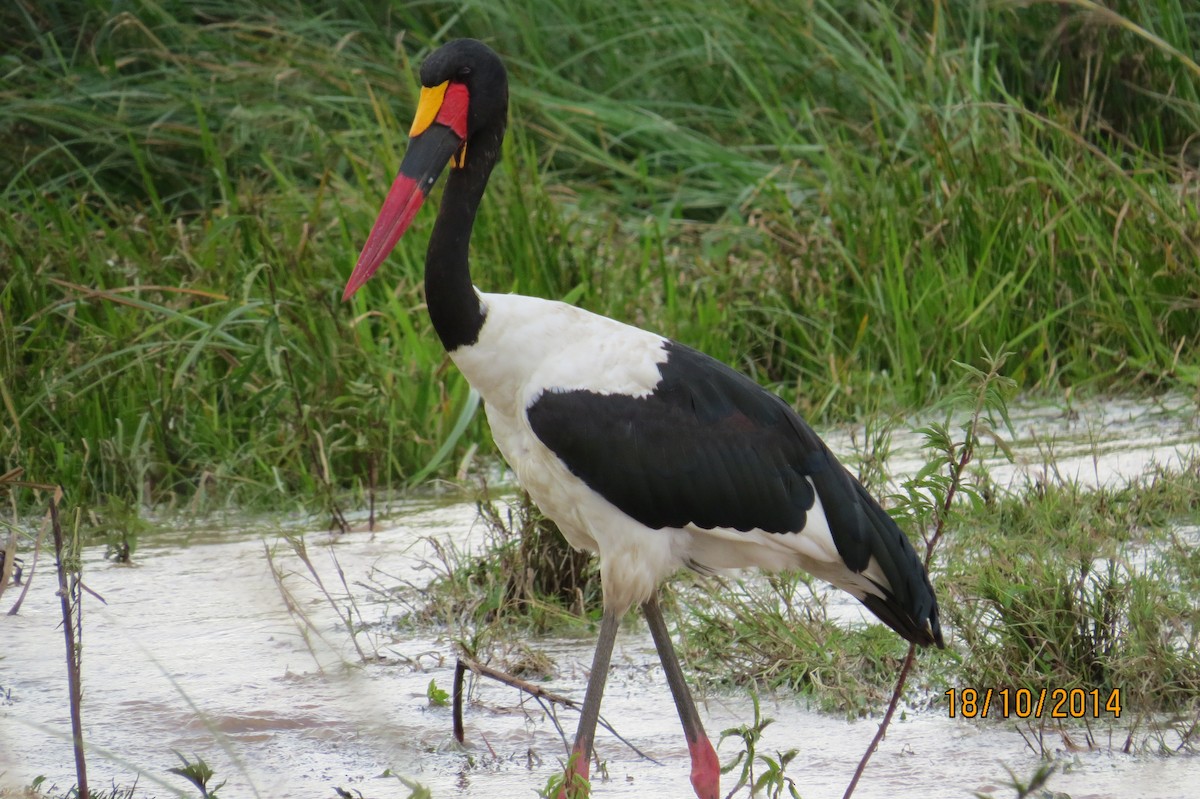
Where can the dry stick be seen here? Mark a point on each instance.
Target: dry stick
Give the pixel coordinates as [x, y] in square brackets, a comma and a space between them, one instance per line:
[535, 691]
[460, 672]
[9, 479]
[9, 569]
[8, 560]
[500, 676]
[883, 725]
[372, 476]
[930, 543]
[301, 551]
[73, 678]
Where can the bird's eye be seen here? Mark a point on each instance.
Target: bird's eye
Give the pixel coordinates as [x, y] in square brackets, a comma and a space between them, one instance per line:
[464, 72]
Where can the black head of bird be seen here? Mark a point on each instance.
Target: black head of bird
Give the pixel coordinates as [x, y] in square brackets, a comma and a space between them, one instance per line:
[461, 117]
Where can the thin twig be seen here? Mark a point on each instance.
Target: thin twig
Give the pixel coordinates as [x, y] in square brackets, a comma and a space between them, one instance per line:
[883, 725]
[538, 693]
[460, 671]
[535, 691]
[75, 686]
[37, 548]
[956, 471]
[10, 480]
[347, 618]
[912, 648]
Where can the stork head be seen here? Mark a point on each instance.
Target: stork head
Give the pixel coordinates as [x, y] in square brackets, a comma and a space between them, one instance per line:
[460, 116]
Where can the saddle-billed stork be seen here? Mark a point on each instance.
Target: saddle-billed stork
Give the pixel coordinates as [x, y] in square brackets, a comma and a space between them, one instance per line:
[647, 452]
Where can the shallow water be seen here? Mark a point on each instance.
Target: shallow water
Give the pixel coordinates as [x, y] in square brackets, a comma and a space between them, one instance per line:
[196, 651]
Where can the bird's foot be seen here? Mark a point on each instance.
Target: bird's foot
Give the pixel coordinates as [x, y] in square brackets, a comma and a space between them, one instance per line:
[706, 769]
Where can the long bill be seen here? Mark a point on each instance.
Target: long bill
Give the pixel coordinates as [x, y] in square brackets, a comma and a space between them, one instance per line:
[439, 131]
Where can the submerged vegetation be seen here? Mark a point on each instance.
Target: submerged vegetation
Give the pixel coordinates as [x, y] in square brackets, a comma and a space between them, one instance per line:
[840, 198]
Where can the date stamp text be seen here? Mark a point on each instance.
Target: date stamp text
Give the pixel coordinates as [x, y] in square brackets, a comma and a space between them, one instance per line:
[1026, 703]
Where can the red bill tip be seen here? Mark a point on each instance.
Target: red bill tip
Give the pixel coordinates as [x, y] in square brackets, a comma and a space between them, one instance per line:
[403, 201]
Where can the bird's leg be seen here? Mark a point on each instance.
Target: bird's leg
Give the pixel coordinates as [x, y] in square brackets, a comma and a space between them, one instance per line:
[706, 769]
[581, 752]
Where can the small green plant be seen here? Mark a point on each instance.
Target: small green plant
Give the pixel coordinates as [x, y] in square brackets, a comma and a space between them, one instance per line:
[199, 774]
[122, 525]
[416, 789]
[1029, 788]
[772, 779]
[437, 697]
[69, 563]
[556, 786]
[37, 789]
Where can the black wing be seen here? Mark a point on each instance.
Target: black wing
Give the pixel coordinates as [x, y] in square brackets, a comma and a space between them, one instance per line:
[711, 447]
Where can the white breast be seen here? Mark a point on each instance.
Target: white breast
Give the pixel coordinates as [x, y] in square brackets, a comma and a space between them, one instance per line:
[530, 345]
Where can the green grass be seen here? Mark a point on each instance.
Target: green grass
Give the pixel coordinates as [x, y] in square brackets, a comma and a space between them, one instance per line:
[773, 633]
[1061, 588]
[840, 198]
[525, 579]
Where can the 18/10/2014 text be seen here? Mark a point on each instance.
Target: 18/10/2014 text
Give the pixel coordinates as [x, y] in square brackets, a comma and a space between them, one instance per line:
[1024, 703]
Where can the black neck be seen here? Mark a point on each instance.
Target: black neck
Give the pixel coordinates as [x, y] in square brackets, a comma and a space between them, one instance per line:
[453, 304]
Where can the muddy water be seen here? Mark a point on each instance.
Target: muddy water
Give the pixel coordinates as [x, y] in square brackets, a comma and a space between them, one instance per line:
[196, 651]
